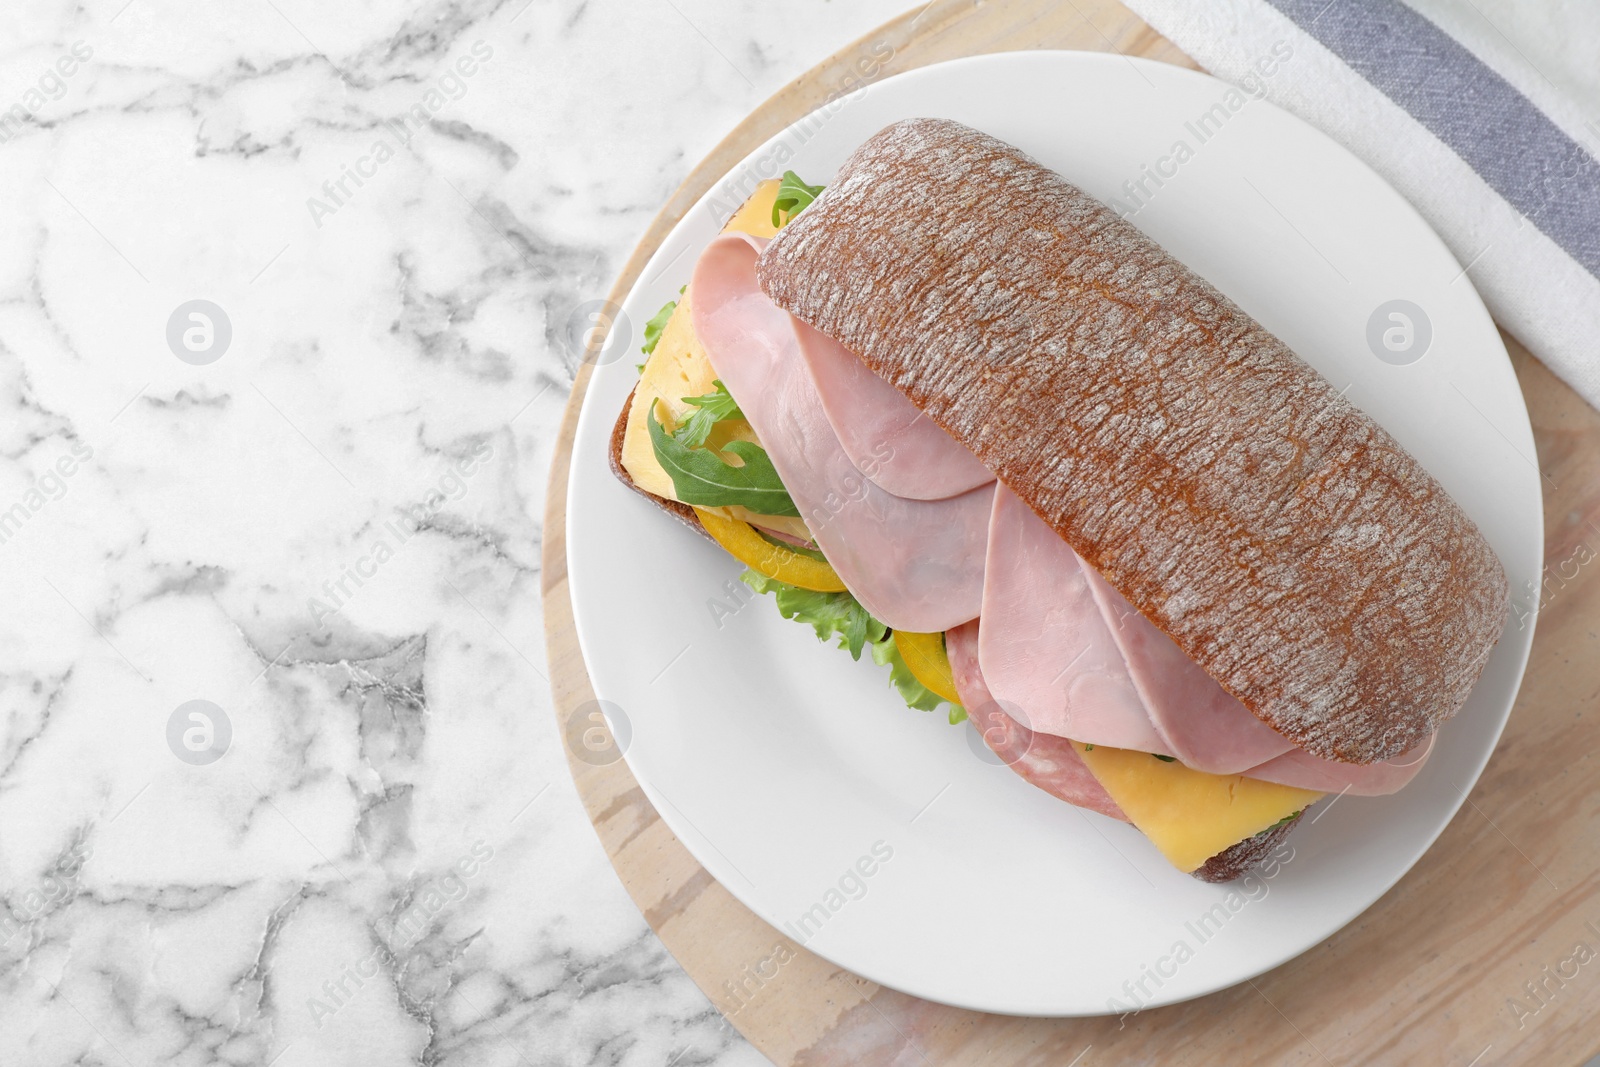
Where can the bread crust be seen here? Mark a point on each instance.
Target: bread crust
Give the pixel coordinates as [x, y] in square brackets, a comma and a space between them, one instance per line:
[678, 510]
[1285, 541]
[1236, 860]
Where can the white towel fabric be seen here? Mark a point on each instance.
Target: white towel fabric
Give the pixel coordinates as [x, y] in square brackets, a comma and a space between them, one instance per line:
[1475, 110]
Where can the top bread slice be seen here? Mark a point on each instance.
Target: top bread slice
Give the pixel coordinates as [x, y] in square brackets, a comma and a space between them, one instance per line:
[1287, 543]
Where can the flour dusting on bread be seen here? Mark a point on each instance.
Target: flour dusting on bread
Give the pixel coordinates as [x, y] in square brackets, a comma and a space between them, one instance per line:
[1285, 541]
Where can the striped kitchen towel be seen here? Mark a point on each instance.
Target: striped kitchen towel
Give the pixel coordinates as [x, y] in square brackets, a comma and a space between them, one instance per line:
[1481, 112]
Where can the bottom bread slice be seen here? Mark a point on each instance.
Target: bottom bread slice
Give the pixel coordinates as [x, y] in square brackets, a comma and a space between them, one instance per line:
[678, 510]
[1225, 866]
[1238, 859]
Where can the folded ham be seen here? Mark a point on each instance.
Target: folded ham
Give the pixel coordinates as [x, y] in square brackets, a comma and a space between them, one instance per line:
[1045, 646]
[1201, 723]
[1299, 768]
[915, 564]
[1059, 646]
[1041, 759]
[902, 450]
[1053, 765]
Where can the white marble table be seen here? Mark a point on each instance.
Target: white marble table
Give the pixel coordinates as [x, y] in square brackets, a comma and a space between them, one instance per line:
[314, 509]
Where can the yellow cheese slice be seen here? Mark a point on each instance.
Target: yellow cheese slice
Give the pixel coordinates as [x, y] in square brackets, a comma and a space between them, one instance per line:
[1188, 814]
[678, 368]
[754, 216]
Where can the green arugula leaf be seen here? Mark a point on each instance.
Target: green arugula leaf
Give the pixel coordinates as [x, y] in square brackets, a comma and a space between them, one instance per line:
[841, 616]
[700, 476]
[794, 196]
[713, 408]
[1165, 759]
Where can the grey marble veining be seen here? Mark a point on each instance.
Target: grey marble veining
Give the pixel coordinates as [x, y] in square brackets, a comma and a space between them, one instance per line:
[312, 505]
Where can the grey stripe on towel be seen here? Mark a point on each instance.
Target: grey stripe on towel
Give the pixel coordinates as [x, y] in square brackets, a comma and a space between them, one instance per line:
[1498, 132]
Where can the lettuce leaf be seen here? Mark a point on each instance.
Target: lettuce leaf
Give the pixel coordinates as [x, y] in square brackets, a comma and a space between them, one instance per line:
[657, 323]
[914, 693]
[829, 614]
[841, 616]
[701, 476]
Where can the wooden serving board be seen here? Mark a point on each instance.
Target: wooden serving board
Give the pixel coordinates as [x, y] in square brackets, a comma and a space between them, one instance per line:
[1434, 973]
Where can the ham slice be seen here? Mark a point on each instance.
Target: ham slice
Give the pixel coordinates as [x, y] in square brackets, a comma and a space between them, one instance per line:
[1045, 647]
[1201, 722]
[1060, 646]
[1211, 731]
[1297, 767]
[1064, 647]
[1045, 761]
[914, 564]
[886, 437]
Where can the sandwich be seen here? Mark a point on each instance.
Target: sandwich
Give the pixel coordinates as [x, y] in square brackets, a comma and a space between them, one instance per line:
[953, 410]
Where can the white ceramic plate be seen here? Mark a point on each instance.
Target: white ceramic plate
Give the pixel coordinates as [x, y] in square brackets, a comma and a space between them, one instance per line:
[781, 764]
